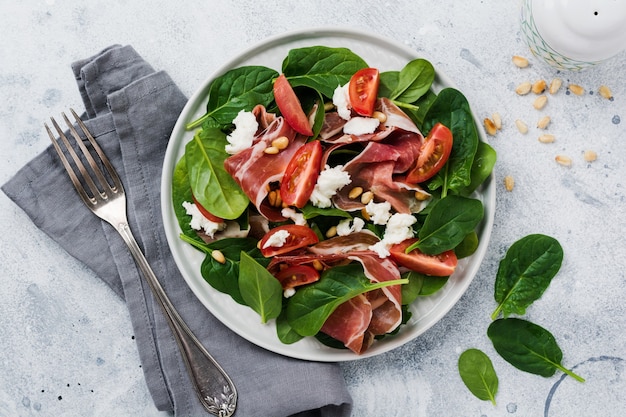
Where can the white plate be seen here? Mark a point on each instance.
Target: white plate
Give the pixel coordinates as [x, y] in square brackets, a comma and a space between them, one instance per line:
[377, 52]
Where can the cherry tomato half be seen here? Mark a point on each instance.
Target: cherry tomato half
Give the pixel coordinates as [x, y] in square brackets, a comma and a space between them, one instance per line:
[298, 237]
[290, 107]
[206, 213]
[433, 155]
[363, 90]
[301, 174]
[441, 265]
[296, 275]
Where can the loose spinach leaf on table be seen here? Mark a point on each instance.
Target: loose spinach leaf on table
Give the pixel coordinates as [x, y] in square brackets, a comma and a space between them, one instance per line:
[321, 68]
[525, 273]
[238, 89]
[477, 373]
[259, 288]
[528, 347]
[211, 185]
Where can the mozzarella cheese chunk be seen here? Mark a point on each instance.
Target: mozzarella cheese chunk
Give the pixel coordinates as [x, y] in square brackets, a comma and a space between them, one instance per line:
[277, 240]
[398, 229]
[199, 222]
[344, 228]
[242, 137]
[379, 212]
[361, 126]
[341, 100]
[328, 183]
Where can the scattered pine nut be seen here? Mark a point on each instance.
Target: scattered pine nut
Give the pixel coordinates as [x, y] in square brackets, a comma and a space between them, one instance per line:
[218, 256]
[543, 122]
[590, 155]
[605, 92]
[540, 102]
[509, 183]
[520, 61]
[546, 138]
[539, 87]
[563, 160]
[497, 120]
[521, 126]
[271, 150]
[382, 117]
[576, 89]
[366, 197]
[280, 143]
[524, 88]
[555, 85]
[355, 192]
[490, 126]
[331, 232]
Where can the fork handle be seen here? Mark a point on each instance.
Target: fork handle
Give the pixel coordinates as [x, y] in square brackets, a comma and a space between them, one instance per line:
[215, 389]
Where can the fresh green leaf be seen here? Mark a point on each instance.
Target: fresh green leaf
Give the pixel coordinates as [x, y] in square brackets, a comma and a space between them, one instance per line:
[284, 331]
[420, 285]
[525, 273]
[484, 161]
[528, 347]
[414, 80]
[388, 83]
[468, 246]
[478, 374]
[321, 68]
[259, 288]
[310, 211]
[181, 192]
[211, 185]
[448, 222]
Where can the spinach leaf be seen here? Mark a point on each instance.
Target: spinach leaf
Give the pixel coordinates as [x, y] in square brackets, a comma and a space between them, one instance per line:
[484, 161]
[420, 285]
[478, 375]
[525, 273]
[238, 89]
[181, 192]
[468, 246]
[448, 222]
[528, 347]
[452, 109]
[259, 288]
[414, 80]
[321, 68]
[310, 211]
[211, 185]
[284, 331]
[388, 83]
[310, 306]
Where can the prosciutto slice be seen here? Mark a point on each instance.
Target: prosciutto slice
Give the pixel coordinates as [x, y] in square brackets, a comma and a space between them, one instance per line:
[254, 170]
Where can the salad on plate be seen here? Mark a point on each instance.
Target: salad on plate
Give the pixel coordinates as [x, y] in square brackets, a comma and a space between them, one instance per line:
[330, 196]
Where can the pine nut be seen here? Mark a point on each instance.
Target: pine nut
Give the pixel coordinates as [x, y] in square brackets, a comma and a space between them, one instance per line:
[366, 197]
[365, 214]
[563, 160]
[421, 196]
[317, 265]
[218, 256]
[280, 143]
[576, 89]
[539, 87]
[540, 102]
[546, 138]
[605, 92]
[555, 85]
[331, 232]
[382, 117]
[271, 150]
[497, 120]
[273, 197]
[509, 183]
[521, 126]
[524, 88]
[590, 155]
[490, 126]
[328, 106]
[520, 61]
[543, 122]
[355, 192]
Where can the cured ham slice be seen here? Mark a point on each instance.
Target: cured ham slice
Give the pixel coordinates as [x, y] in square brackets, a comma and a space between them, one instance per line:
[349, 324]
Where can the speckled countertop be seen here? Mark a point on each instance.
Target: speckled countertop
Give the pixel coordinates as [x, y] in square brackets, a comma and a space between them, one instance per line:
[66, 344]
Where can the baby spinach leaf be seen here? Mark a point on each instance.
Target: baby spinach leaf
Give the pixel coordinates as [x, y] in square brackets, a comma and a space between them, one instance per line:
[525, 273]
[238, 89]
[388, 83]
[284, 331]
[321, 68]
[477, 373]
[311, 305]
[468, 246]
[528, 347]
[414, 80]
[448, 222]
[212, 186]
[484, 161]
[259, 288]
[420, 285]
[181, 192]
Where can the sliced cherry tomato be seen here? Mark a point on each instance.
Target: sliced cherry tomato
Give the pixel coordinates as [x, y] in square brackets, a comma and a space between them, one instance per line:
[441, 265]
[290, 107]
[298, 237]
[206, 213]
[363, 90]
[301, 174]
[433, 155]
[296, 275]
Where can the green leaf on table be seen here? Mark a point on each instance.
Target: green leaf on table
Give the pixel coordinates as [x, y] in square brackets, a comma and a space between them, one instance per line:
[259, 288]
[478, 375]
[528, 347]
[525, 273]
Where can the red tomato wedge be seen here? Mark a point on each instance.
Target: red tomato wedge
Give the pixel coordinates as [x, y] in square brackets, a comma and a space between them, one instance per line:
[298, 237]
[206, 213]
[290, 107]
[363, 91]
[296, 275]
[433, 155]
[301, 174]
[441, 265]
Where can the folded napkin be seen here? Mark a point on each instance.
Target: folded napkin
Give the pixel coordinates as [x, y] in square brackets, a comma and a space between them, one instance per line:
[131, 109]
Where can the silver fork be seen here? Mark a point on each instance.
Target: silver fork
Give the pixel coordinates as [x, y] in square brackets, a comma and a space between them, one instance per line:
[107, 200]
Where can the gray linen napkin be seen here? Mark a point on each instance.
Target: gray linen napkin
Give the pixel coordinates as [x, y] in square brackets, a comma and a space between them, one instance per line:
[131, 110]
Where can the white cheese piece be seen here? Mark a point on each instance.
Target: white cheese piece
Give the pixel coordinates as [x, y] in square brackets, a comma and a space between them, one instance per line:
[360, 126]
[379, 212]
[297, 218]
[397, 230]
[341, 100]
[276, 240]
[328, 183]
[199, 222]
[242, 137]
[289, 292]
[381, 249]
[344, 228]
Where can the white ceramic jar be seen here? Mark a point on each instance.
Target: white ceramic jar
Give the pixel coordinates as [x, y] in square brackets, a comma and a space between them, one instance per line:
[574, 34]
